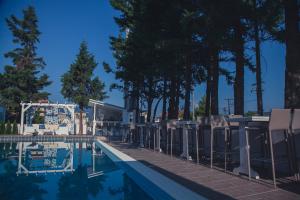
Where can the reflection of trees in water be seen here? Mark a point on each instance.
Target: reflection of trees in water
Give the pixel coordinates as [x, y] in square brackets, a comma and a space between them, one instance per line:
[2, 150]
[78, 186]
[7, 149]
[130, 190]
[20, 187]
[105, 164]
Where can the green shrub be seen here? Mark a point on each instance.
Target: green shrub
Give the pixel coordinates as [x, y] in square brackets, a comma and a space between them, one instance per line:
[37, 118]
[2, 127]
[8, 128]
[15, 128]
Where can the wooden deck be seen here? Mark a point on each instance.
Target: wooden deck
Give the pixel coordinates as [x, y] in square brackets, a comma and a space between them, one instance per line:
[210, 183]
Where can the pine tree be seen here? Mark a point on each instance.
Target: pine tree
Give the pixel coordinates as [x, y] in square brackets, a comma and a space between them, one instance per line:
[23, 81]
[200, 109]
[135, 53]
[266, 23]
[213, 31]
[79, 83]
[163, 46]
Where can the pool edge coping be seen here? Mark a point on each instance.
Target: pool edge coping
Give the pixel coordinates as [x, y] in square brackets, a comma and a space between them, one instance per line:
[167, 185]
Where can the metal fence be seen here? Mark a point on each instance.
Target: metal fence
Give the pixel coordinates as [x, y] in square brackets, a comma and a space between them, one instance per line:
[192, 141]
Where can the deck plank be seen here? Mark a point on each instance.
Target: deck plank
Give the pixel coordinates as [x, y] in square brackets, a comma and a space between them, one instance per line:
[210, 183]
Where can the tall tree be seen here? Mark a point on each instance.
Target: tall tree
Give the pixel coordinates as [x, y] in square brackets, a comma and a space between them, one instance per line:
[23, 81]
[239, 55]
[213, 32]
[292, 40]
[140, 52]
[266, 23]
[257, 39]
[126, 52]
[80, 84]
[188, 29]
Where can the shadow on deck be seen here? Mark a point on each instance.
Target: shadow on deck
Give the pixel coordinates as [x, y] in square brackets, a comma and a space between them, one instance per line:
[210, 183]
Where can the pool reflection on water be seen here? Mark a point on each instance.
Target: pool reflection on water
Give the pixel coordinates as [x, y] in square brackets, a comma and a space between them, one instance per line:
[62, 171]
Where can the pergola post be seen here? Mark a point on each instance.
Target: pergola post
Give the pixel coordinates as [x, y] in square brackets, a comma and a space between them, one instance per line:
[71, 157]
[94, 155]
[24, 109]
[73, 112]
[94, 121]
[20, 157]
[21, 132]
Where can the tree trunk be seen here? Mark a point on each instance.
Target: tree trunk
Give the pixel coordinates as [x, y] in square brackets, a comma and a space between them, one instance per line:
[149, 99]
[208, 92]
[149, 109]
[187, 87]
[171, 110]
[81, 121]
[239, 74]
[259, 99]
[215, 82]
[164, 108]
[137, 109]
[177, 98]
[292, 71]
[155, 109]
[136, 106]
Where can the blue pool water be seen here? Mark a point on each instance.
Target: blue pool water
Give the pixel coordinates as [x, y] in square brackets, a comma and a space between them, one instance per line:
[62, 171]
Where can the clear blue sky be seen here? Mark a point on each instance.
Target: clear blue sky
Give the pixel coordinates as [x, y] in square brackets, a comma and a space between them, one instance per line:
[65, 23]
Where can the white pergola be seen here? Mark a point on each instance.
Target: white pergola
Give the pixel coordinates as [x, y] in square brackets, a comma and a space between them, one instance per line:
[26, 106]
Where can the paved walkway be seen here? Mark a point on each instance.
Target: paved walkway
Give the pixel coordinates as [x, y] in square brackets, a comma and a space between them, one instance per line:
[210, 183]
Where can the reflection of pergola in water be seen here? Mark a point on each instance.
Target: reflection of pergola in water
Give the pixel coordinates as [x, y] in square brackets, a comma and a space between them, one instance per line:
[30, 155]
[91, 171]
[102, 161]
[47, 153]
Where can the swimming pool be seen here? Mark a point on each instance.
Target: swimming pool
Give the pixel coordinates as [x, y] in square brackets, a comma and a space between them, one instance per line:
[59, 170]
